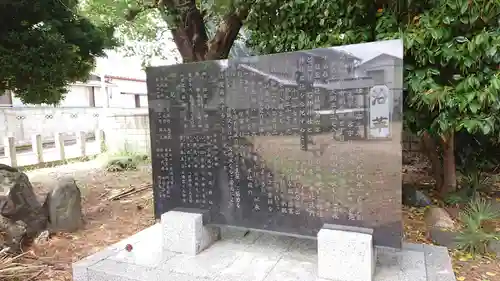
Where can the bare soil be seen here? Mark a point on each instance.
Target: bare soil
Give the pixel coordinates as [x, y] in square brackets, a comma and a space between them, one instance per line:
[465, 266]
[107, 221]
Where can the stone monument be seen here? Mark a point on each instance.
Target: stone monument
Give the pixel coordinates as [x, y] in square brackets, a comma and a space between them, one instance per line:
[303, 144]
[240, 143]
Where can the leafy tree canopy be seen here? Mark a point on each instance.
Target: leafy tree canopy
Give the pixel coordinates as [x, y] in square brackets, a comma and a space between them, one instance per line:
[44, 45]
[451, 53]
[143, 27]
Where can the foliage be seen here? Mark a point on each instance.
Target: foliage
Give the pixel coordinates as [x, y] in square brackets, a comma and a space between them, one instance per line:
[451, 48]
[124, 160]
[478, 231]
[44, 46]
[147, 35]
[459, 197]
[451, 55]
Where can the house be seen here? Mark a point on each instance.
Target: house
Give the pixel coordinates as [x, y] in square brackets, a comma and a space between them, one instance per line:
[325, 64]
[117, 82]
[119, 92]
[386, 69]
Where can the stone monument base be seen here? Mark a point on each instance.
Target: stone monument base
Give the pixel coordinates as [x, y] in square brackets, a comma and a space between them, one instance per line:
[181, 248]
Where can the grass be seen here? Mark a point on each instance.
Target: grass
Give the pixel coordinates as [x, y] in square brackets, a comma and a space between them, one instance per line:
[478, 233]
[123, 160]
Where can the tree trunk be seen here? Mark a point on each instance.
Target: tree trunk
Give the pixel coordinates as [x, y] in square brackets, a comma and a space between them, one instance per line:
[191, 38]
[429, 147]
[450, 173]
[189, 33]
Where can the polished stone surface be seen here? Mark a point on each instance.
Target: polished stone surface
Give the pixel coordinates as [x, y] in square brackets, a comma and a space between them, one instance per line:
[284, 142]
[251, 257]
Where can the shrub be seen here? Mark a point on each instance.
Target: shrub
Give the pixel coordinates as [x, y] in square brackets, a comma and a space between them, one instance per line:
[478, 229]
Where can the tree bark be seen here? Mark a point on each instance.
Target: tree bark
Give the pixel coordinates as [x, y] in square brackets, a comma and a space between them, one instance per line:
[450, 173]
[430, 149]
[190, 34]
[189, 30]
[226, 34]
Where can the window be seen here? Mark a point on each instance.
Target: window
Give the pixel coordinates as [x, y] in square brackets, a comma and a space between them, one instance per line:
[92, 96]
[6, 99]
[378, 76]
[137, 101]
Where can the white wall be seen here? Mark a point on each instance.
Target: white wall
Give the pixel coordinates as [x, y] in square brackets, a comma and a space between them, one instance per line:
[128, 131]
[23, 122]
[129, 88]
[77, 96]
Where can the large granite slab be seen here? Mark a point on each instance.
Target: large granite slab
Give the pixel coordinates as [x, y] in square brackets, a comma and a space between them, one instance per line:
[285, 142]
[252, 257]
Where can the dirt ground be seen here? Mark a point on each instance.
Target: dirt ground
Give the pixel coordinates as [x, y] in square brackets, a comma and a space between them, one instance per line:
[108, 221]
[466, 267]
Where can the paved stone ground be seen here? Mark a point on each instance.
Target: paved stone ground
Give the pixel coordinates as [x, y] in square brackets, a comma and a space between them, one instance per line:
[254, 257]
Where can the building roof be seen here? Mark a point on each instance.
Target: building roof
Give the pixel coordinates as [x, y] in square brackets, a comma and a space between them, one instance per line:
[381, 56]
[326, 51]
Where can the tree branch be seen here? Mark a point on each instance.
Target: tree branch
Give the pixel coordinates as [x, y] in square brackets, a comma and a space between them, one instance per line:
[133, 12]
[226, 34]
[188, 29]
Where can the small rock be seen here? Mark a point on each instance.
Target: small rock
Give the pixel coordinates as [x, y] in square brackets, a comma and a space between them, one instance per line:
[15, 232]
[443, 237]
[42, 238]
[454, 212]
[494, 247]
[64, 203]
[436, 217]
[21, 215]
[413, 197]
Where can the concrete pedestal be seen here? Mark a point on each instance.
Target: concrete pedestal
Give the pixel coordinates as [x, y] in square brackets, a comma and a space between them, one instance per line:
[185, 232]
[173, 250]
[346, 253]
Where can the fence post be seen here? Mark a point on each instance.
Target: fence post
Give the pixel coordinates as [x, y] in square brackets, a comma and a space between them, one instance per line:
[59, 142]
[99, 138]
[81, 142]
[10, 150]
[37, 147]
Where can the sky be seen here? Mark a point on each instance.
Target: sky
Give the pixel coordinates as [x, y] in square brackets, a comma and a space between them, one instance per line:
[117, 64]
[367, 51]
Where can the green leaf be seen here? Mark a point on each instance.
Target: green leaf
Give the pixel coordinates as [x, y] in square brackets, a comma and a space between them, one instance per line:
[474, 107]
[470, 96]
[471, 125]
[495, 82]
[486, 128]
[492, 51]
[464, 6]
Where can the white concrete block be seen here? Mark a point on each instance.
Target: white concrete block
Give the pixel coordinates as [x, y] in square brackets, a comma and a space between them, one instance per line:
[184, 232]
[346, 254]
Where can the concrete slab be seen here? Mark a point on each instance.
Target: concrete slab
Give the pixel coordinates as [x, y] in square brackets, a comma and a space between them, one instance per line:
[251, 257]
